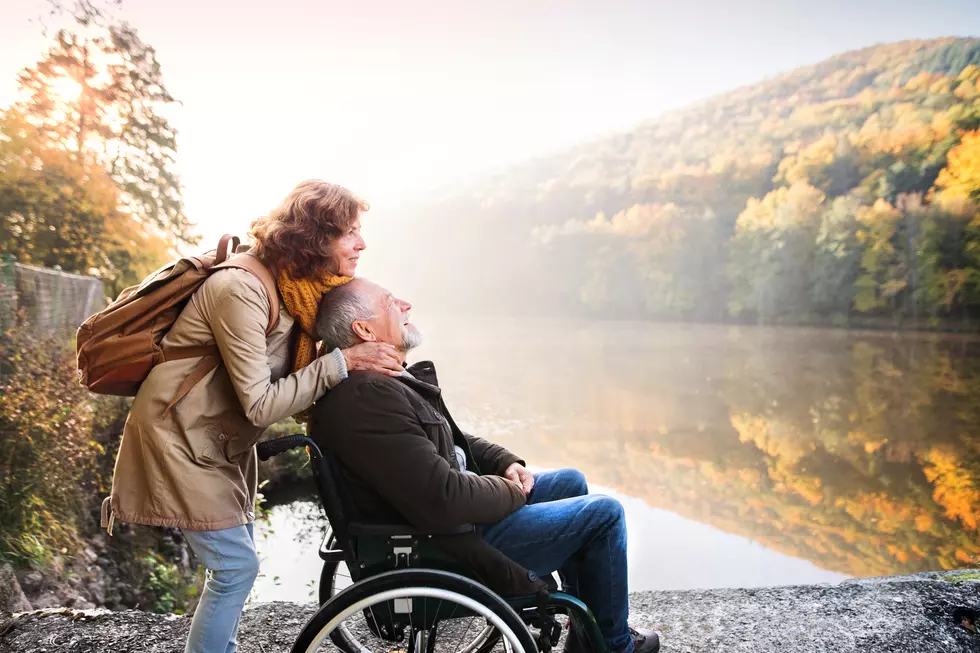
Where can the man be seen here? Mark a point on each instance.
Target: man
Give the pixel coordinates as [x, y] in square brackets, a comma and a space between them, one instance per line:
[404, 458]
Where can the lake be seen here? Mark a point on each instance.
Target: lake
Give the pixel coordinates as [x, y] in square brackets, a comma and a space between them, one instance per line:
[745, 456]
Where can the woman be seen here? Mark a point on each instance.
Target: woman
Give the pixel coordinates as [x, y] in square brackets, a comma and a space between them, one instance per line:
[194, 466]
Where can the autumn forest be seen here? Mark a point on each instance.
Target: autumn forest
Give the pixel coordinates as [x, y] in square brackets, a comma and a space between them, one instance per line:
[842, 193]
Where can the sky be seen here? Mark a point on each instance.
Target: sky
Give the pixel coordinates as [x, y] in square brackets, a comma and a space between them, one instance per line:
[395, 99]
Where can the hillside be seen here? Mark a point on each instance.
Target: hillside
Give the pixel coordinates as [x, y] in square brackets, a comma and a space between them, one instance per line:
[836, 191]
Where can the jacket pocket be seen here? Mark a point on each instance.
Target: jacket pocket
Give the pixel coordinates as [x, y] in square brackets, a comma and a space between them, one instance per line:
[209, 445]
[239, 437]
[438, 431]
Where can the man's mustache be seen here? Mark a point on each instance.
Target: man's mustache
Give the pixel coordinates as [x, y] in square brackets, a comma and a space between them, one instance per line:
[411, 337]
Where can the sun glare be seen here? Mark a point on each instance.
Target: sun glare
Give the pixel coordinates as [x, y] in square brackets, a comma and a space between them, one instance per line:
[66, 89]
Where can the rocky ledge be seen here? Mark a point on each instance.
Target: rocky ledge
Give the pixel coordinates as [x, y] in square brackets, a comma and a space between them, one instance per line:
[928, 613]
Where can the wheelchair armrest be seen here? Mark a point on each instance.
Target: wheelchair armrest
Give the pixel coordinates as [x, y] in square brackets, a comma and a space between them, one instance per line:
[562, 602]
[367, 529]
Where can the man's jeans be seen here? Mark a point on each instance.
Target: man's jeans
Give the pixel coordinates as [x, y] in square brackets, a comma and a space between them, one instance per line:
[232, 564]
[582, 537]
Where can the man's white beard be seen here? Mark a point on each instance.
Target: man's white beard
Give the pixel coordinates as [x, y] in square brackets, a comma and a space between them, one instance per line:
[411, 337]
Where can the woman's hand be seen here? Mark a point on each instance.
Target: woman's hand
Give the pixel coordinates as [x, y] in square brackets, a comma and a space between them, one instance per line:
[377, 356]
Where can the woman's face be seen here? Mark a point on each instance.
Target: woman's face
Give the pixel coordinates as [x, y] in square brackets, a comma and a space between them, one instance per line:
[347, 249]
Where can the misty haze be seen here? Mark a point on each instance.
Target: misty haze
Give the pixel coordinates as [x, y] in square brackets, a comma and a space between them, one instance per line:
[724, 262]
[667, 309]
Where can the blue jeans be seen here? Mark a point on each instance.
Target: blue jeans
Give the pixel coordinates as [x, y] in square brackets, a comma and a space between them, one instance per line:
[232, 564]
[582, 537]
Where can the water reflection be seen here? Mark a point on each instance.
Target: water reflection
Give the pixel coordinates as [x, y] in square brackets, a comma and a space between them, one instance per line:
[665, 551]
[858, 452]
[745, 456]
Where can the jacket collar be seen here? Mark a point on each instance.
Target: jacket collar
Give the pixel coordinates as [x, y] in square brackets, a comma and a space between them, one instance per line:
[422, 378]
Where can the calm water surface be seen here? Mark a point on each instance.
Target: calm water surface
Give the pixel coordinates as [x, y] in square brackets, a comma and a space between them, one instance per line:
[743, 456]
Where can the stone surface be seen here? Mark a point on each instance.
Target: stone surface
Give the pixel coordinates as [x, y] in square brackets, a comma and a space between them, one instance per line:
[48, 600]
[96, 590]
[900, 615]
[31, 581]
[892, 615]
[12, 597]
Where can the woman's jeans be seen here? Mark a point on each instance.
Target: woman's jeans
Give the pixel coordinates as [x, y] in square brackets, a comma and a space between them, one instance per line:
[232, 564]
[583, 537]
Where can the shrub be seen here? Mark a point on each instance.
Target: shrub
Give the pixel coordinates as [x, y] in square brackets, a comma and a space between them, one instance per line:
[289, 472]
[47, 453]
[172, 588]
[58, 445]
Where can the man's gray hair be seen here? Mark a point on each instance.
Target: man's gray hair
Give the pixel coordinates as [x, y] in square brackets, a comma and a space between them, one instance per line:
[338, 311]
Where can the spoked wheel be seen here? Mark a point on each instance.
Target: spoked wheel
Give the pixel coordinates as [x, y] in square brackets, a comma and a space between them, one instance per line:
[415, 611]
[335, 577]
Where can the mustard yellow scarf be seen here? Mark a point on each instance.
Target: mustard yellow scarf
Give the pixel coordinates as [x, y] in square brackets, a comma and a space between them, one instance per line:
[302, 298]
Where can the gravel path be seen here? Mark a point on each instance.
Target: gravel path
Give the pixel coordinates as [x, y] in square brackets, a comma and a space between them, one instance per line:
[925, 613]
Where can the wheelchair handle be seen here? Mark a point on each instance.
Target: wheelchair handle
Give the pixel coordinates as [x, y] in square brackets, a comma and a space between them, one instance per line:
[276, 446]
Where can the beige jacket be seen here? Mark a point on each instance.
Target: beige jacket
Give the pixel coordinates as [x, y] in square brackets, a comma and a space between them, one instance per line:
[195, 466]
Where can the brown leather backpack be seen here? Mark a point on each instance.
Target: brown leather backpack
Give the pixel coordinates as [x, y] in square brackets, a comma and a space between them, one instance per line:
[118, 346]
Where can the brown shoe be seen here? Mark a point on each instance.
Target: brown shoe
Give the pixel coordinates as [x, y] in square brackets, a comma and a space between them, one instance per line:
[645, 640]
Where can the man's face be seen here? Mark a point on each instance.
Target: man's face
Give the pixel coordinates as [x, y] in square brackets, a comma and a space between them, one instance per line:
[391, 322]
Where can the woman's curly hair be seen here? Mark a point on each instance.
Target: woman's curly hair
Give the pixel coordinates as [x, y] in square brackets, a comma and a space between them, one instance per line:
[297, 236]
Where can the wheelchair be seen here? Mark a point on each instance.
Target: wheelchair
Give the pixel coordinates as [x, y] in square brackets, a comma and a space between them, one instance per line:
[403, 595]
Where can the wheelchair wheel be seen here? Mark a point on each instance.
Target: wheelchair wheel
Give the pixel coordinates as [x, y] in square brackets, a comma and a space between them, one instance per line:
[335, 577]
[415, 611]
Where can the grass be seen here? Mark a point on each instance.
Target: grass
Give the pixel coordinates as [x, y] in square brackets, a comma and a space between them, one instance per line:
[965, 576]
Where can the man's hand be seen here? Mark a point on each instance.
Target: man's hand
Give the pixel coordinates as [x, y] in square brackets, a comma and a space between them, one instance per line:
[518, 474]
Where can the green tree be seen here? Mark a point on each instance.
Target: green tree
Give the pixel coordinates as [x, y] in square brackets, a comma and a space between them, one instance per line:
[59, 209]
[884, 268]
[773, 250]
[913, 261]
[54, 206]
[837, 258]
[99, 94]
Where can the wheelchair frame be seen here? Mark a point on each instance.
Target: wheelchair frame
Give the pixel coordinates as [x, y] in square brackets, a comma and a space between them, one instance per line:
[401, 552]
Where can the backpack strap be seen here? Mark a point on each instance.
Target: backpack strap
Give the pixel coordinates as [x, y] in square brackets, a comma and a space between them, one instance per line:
[208, 363]
[209, 353]
[222, 251]
[250, 263]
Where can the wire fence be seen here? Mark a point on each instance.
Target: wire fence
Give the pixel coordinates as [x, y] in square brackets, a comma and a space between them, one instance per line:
[49, 301]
